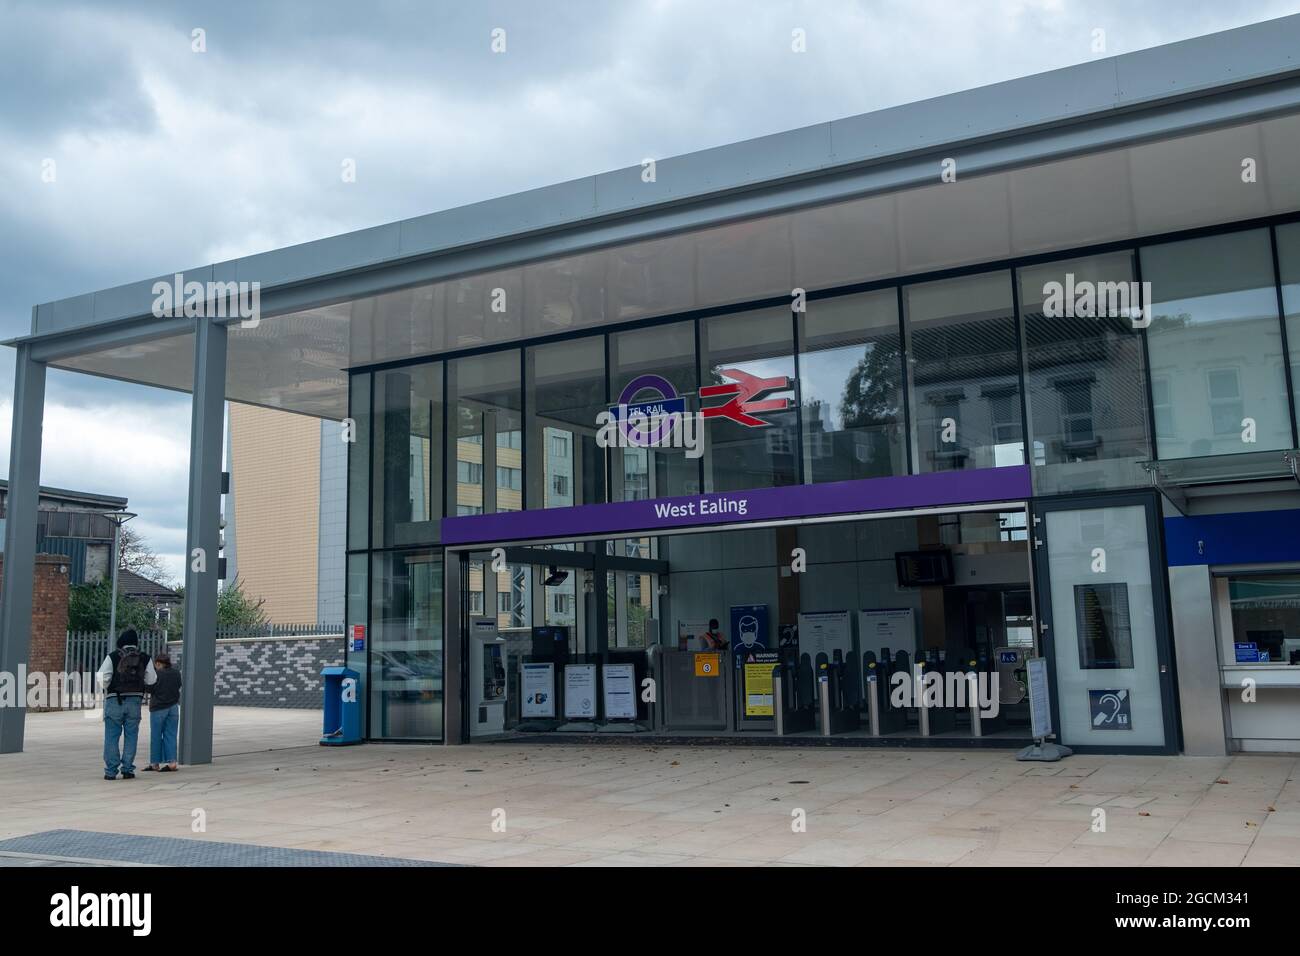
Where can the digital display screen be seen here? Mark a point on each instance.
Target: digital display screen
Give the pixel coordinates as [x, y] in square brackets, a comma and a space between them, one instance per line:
[920, 568]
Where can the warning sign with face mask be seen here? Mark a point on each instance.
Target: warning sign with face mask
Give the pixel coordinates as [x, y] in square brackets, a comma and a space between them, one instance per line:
[749, 633]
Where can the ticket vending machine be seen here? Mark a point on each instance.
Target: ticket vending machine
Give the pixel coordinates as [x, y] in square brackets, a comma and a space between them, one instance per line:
[1012, 665]
[488, 684]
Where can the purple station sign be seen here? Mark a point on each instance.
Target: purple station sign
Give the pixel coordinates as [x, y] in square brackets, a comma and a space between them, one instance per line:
[977, 486]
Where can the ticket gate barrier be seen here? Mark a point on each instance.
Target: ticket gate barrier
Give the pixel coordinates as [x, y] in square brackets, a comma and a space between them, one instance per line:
[876, 676]
[972, 667]
[931, 718]
[792, 705]
[836, 716]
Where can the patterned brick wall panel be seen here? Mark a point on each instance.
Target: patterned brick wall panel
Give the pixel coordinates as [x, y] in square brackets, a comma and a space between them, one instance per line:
[271, 672]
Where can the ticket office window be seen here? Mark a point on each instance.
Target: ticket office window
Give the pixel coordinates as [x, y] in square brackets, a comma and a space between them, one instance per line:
[1264, 617]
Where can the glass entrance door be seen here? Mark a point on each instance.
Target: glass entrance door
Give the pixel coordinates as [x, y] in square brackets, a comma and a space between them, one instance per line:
[1102, 597]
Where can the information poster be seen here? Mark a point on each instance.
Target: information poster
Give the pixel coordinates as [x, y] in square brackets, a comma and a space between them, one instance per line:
[539, 690]
[580, 691]
[825, 632]
[620, 692]
[708, 664]
[759, 669]
[893, 627]
[1040, 710]
[748, 630]
[690, 635]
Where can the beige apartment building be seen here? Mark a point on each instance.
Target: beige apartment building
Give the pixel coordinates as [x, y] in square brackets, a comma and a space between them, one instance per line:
[285, 517]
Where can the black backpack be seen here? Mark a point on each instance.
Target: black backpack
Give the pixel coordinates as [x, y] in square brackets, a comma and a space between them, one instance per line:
[128, 676]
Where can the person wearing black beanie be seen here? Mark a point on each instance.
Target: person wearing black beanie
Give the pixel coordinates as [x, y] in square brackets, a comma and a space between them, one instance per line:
[123, 677]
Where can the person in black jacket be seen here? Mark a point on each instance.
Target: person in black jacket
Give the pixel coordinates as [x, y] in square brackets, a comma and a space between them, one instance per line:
[124, 676]
[164, 714]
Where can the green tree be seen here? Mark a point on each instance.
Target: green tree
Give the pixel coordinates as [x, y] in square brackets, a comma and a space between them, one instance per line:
[870, 396]
[235, 609]
[88, 607]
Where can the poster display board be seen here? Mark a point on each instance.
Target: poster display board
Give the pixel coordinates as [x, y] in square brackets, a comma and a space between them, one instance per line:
[758, 668]
[1040, 709]
[749, 631]
[690, 634]
[620, 691]
[580, 691]
[538, 681]
[891, 627]
[824, 632]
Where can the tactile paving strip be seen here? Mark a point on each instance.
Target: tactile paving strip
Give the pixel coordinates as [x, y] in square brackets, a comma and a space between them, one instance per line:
[173, 851]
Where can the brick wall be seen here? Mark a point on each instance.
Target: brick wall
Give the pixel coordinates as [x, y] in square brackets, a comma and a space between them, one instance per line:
[271, 671]
[49, 613]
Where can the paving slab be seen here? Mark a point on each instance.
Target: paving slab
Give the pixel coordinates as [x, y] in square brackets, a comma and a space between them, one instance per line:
[272, 796]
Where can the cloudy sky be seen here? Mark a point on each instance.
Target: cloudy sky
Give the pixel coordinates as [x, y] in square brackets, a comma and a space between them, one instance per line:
[166, 158]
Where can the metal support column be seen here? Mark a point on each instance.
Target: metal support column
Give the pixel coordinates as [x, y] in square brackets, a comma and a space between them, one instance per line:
[20, 537]
[207, 421]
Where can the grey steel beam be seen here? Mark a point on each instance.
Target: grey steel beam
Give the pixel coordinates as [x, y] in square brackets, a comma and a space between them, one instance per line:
[109, 335]
[20, 538]
[207, 420]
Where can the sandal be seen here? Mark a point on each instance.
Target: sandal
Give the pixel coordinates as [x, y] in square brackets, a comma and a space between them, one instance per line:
[166, 769]
[150, 767]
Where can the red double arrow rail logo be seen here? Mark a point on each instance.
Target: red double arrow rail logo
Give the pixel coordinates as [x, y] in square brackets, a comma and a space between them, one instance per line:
[745, 389]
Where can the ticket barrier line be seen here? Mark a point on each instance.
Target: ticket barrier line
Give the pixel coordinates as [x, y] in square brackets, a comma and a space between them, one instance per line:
[787, 715]
[882, 716]
[931, 719]
[836, 717]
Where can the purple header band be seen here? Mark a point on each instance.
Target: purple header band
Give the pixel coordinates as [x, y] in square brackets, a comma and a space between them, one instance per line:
[757, 504]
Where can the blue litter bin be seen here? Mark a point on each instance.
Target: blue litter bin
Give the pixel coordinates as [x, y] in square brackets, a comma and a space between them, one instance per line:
[342, 723]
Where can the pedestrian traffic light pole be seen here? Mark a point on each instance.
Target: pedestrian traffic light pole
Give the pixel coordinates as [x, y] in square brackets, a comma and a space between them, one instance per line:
[118, 518]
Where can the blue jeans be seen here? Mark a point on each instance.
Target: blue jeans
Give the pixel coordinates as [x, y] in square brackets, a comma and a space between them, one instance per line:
[162, 734]
[121, 722]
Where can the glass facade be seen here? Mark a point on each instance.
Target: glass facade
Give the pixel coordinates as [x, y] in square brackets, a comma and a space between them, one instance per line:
[851, 388]
[406, 658]
[1085, 376]
[963, 374]
[1086, 368]
[566, 391]
[485, 434]
[359, 463]
[666, 351]
[736, 348]
[1218, 377]
[407, 499]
